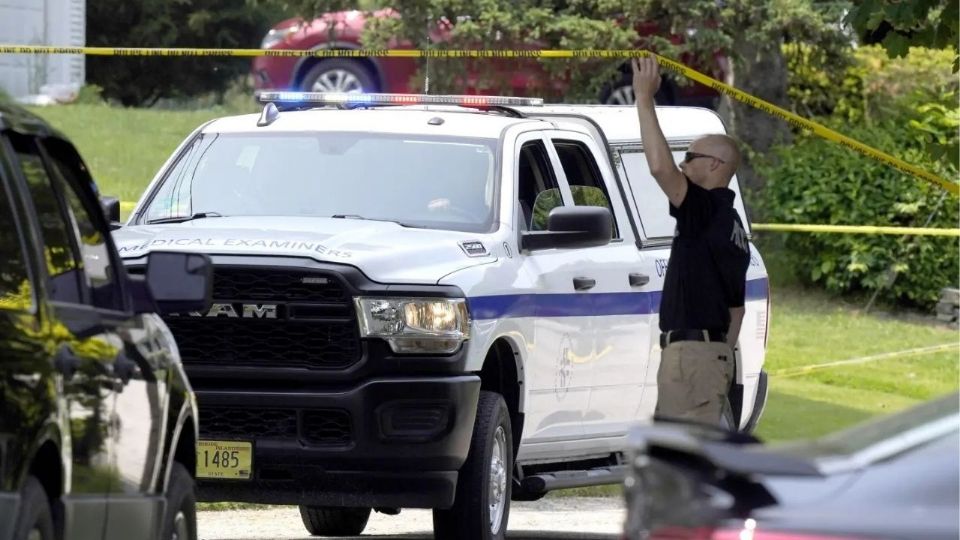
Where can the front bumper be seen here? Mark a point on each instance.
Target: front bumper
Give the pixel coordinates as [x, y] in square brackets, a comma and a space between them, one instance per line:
[387, 442]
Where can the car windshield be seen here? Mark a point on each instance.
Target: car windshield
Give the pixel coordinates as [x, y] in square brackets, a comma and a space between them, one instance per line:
[428, 182]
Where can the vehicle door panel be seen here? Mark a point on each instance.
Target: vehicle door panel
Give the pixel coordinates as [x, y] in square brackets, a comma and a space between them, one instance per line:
[79, 352]
[558, 389]
[135, 361]
[619, 312]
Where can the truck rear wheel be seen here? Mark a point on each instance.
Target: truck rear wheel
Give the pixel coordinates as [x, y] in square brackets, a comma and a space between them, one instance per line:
[482, 505]
[326, 521]
[35, 521]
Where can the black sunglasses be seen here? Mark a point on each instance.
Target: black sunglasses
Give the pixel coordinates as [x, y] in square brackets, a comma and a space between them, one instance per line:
[690, 156]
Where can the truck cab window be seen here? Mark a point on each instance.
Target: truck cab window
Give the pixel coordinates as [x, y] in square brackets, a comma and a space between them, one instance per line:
[68, 174]
[583, 176]
[537, 187]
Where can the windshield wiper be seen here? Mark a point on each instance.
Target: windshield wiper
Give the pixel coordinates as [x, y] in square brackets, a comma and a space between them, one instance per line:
[355, 216]
[181, 219]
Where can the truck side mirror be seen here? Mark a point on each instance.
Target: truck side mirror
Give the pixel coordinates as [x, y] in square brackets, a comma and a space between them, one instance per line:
[176, 283]
[111, 211]
[572, 227]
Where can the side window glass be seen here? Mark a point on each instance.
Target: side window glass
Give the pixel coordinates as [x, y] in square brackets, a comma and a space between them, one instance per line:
[583, 176]
[63, 264]
[16, 291]
[538, 189]
[69, 173]
[173, 197]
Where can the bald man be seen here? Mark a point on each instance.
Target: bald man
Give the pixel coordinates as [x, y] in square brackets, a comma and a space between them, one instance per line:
[703, 293]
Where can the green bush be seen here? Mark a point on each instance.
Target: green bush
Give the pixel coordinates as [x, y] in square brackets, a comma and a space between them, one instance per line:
[907, 108]
[816, 181]
[143, 80]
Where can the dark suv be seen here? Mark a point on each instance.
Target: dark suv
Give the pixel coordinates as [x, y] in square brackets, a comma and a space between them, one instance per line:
[97, 419]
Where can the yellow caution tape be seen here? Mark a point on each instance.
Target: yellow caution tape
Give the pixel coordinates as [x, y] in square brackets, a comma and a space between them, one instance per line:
[791, 118]
[803, 370]
[855, 229]
[323, 53]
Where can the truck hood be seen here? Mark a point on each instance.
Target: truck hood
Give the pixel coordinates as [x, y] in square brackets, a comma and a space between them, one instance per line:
[386, 252]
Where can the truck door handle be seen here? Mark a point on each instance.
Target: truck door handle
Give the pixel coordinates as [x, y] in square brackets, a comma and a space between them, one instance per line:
[639, 280]
[584, 284]
[66, 362]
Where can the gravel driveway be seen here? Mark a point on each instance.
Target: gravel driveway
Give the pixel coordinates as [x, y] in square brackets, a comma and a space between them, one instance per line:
[565, 518]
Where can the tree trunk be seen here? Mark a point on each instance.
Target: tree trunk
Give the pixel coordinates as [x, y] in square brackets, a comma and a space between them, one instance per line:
[761, 71]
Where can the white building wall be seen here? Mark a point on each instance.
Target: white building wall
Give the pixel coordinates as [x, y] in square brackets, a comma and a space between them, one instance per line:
[41, 22]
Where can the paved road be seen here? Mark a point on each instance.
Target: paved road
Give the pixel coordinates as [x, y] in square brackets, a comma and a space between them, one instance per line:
[552, 518]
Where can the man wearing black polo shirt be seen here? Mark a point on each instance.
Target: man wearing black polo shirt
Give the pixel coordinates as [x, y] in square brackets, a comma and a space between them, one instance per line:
[703, 293]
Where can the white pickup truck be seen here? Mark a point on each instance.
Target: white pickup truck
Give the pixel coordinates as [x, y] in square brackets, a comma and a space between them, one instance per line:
[424, 301]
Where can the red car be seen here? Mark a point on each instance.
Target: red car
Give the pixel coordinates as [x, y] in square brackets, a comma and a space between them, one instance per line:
[395, 75]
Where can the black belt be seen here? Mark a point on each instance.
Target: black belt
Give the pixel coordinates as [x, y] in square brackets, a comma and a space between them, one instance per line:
[673, 336]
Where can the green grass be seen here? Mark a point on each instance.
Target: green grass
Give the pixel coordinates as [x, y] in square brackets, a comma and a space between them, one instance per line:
[125, 147]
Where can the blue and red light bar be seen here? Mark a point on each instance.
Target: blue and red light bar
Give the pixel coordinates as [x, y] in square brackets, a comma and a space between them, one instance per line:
[344, 99]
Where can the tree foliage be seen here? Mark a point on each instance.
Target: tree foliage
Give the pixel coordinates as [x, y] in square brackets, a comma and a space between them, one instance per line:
[905, 107]
[164, 23]
[901, 24]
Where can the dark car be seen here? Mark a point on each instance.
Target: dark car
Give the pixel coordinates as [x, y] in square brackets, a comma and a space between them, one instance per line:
[897, 477]
[97, 420]
[344, 30]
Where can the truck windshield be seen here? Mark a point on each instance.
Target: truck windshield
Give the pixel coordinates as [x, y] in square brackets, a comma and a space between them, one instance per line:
[437, 183]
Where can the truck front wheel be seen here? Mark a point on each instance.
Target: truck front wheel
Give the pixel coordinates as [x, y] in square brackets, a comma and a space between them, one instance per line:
[482, 505]
[326, 521]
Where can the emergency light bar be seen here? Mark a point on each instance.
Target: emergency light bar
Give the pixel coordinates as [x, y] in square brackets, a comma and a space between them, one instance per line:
[339, 98]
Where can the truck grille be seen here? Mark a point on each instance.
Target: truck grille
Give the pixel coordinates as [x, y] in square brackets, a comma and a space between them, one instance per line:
[317, 427]
[315, 326]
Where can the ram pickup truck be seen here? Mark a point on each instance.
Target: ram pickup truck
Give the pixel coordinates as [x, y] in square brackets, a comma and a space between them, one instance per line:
[441, 302]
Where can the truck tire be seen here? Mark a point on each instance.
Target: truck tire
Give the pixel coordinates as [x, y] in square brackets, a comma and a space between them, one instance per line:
[35, 520]
[338, 75]
[326, 521]
[180, 518]
[482, 505]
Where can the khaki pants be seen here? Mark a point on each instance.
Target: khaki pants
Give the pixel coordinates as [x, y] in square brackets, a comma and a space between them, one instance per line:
[693, 381]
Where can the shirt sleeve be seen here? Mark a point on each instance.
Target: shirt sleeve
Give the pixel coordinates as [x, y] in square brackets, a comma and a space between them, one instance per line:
[695, 211]
[735, 285]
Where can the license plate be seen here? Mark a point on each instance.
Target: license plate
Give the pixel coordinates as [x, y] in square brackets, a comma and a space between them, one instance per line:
[229, 460]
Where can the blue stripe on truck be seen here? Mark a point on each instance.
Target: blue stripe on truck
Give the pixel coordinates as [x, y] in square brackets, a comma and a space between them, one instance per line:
[581, 304]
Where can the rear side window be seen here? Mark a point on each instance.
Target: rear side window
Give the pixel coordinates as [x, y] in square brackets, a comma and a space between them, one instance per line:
[68, 173]
[16, 291]
[652, 203]
[63, 266]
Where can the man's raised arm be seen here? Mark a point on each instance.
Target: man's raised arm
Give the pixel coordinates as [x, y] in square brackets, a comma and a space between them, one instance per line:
[646, 81]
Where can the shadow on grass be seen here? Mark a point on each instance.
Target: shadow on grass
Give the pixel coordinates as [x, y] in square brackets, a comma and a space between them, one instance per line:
[788, 417]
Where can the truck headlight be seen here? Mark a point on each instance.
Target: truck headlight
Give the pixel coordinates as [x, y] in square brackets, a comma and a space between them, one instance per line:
[415, 325]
